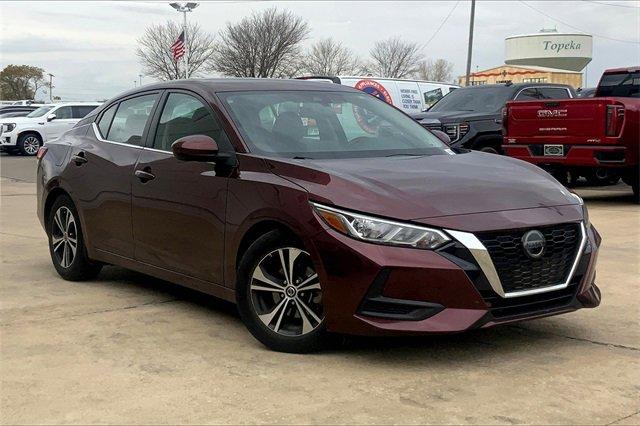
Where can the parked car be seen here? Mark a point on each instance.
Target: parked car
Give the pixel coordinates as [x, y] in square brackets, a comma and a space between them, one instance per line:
[471, 116]
[586, 92]
[27, 134]
[316, 208]
[596, 137]
[17, 110]
[411, 96]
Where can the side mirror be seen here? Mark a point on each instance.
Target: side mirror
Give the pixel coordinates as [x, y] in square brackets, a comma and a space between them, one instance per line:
[442, 136]
[195, 148]
[51, 117]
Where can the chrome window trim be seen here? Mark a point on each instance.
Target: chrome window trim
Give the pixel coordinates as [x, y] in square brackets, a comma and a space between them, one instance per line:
[98, 136]
[481, 255]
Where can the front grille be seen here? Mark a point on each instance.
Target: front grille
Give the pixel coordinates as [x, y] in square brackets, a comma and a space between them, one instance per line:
[450, 129]
[519, 272]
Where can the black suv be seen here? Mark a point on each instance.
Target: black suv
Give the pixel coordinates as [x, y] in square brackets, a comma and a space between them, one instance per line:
[472, 116]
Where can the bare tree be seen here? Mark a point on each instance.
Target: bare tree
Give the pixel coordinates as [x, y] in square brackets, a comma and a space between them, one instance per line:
[394, 58]
[438, 70]
[329, 57]
[154, 50]
[265, 44]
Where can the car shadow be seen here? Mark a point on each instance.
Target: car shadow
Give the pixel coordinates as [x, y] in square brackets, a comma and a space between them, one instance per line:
[445, 349]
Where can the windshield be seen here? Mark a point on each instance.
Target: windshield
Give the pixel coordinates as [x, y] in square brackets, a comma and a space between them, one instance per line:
[479, 99]
[40, 111]
[624, 85]
[326, 125]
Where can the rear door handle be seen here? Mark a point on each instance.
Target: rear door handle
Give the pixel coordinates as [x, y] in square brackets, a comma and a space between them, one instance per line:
[79, 159]
[144, 176]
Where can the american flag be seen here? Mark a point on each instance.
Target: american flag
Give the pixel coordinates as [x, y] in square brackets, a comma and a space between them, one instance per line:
[178, 48]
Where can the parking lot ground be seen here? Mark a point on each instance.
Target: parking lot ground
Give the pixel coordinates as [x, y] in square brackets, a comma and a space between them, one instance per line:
[130, 349]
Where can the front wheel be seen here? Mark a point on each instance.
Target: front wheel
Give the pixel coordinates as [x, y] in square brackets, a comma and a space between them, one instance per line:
[279, 295]
[29, 143]
[66, 243]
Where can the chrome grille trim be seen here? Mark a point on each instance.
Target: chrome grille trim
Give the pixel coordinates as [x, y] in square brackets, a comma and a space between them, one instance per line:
[481, 255]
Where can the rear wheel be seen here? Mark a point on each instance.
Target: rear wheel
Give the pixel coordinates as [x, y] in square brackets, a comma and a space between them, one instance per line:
[279, 295]
[489, 149]
[66, 243]
[29, 143]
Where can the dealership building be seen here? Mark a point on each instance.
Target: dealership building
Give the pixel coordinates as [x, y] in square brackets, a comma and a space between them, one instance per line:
[544, 57]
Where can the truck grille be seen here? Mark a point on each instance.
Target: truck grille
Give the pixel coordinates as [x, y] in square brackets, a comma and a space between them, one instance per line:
[449, 129]
[518, 272]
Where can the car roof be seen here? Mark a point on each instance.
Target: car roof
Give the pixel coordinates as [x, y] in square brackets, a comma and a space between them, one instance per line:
[57, 104]
[242, 84]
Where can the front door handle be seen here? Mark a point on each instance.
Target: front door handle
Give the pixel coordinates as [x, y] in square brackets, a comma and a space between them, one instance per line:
[144, 176]
[79, 158]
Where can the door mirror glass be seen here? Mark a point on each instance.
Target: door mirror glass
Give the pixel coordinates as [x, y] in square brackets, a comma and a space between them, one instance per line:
[442, 136]
[51, 117]
[195, 148]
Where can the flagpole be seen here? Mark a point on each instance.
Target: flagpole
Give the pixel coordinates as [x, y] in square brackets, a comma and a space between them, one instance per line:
[184, 8]
[186, 47]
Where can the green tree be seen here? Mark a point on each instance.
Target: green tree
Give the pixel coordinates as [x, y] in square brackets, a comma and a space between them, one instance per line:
[21, 82]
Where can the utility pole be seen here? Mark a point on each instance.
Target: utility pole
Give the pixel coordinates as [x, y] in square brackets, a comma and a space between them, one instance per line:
[51, 87]
[470, 48]
[140, 79]
[184, 8]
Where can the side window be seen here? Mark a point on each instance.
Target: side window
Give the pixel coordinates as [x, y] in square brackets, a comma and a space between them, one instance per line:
[63, 112]
[528, 95]
[553, 93]
[105, 120]
[185, 115]
[81, 111]
[130, 119]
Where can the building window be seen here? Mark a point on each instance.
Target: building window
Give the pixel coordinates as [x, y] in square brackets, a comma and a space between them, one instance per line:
[478, 82]
[535, 80]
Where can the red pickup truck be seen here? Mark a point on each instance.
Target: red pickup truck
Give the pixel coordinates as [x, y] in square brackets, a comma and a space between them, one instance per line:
[596, 138]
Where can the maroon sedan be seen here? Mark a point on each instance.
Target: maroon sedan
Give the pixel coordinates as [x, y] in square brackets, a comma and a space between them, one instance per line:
[316, 208]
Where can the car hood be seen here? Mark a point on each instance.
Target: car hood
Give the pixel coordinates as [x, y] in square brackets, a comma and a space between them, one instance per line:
[452, 116]
[425, 187]
[19, 120]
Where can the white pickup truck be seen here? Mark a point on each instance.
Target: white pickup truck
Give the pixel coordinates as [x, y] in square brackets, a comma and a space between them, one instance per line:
[27, 134]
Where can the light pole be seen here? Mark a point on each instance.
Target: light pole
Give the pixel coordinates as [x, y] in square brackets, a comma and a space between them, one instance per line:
[140, 79]
[470, 48]
[51, 87]
[184, 8]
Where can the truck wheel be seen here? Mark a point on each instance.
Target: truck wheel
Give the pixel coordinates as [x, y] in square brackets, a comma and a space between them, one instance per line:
[602, 177]
[29, 143]
[489, 149]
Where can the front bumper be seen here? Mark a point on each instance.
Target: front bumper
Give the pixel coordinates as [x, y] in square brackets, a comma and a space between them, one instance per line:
[373, 289]
[8, 140]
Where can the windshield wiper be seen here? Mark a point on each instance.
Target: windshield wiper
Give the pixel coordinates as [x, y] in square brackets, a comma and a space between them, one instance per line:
[407, 154]
[299, 157]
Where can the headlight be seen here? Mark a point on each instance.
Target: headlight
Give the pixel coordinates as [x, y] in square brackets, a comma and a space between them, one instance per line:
[381, 231]
[464, 129]
[585, 212]
[8, 127]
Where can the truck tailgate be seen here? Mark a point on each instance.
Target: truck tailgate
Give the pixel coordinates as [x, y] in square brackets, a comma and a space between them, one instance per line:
[571, 121]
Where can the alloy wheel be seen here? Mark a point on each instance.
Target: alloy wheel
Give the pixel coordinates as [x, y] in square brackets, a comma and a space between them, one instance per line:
[286, 292]
[64, 237]
[31, 144]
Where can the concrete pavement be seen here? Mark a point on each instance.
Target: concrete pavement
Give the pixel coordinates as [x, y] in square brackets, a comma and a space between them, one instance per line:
[127, 348]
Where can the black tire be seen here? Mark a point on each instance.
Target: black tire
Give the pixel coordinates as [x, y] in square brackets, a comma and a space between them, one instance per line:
[29, 143]
[80, 267]
[489, 149]
[256, 253]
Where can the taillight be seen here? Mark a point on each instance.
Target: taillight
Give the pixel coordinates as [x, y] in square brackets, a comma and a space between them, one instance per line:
[41, 152]
[505, 121]
[615, 119]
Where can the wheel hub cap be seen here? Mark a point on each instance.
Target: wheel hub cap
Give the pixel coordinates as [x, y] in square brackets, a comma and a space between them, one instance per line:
[285, 292]
[64, 237]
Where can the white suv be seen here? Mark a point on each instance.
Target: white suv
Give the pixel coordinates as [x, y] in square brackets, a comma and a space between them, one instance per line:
[27, 134]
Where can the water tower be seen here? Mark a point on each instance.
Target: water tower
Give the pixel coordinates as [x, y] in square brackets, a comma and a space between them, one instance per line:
[550, 49]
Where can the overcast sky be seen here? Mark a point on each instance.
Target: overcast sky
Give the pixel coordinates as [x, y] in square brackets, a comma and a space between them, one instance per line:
[90, 46]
